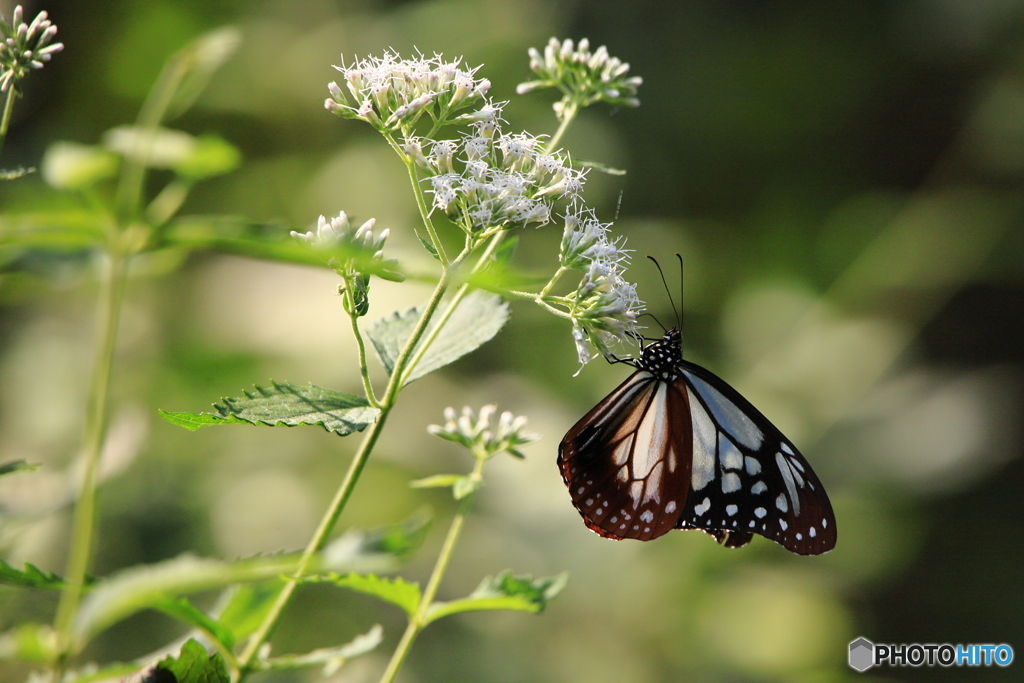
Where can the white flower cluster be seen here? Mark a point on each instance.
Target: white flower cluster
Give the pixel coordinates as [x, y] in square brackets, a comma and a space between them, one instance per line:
[584, 76]
[356, 253]
[605, 306]
[391, 93]
[25, 46]
[492, 181]
[476, 433]
[339, 232]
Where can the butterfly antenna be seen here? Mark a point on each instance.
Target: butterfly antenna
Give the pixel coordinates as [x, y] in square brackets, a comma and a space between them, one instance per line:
[681, 300]
[652, 317]
[664, 282]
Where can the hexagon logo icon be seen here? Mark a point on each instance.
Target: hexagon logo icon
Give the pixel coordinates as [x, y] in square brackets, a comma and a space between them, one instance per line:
[862, 654]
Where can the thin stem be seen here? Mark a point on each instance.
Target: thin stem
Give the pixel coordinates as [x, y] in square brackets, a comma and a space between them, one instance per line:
[8, 108]
[344, 492]
[418, 621]
[364, 370]
[83, 527]
[568, 116]
[421, 202]
[562, 270]
[450, 309]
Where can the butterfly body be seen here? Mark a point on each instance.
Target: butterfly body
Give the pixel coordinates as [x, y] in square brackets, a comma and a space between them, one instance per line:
[675, 447]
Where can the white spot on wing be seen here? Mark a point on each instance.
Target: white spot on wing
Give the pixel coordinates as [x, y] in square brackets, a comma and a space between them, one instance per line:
[787, 476]
[647, 516]
[758, 487]
[760, 513]
[753, 465]
[780, 503]
[813, 532]
[731, 510]
[731, 457]
[703, 507]
[636, 489]
[731, 482]
[671, 507]
[786, 449]
[783, 524]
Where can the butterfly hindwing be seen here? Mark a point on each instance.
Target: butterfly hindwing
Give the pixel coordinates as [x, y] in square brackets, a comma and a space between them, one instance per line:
[626, 463]
[749, 478]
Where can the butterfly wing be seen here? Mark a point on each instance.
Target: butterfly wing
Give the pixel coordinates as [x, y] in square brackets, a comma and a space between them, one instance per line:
[746, 477]
[627, 462]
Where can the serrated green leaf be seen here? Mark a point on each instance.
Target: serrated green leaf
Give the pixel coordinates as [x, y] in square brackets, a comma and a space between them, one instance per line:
[31, 577]
[135, 588]
[333, 658]
[195, 665]
[183, 610]
[397, 591]
[437, 481]
[476, 320]
[246, 605]
[466, 486]
[504, 592]
[17, 466]
[286, 405]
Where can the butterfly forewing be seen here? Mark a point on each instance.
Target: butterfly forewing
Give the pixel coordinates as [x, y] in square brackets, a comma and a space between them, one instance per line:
[674, 446]
[626, 463]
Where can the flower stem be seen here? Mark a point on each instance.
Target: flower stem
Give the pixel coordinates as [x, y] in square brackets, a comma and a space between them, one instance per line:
[459, 296]
[364, 371]
[83, 527]
[419, 620]
[8, 108]
[344, 492]
[568, 116]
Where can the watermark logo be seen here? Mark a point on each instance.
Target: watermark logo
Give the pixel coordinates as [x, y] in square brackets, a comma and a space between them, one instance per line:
[864, 654]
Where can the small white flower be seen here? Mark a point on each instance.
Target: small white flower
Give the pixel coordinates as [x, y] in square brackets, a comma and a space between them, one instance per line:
[25, 46]
[476, 433]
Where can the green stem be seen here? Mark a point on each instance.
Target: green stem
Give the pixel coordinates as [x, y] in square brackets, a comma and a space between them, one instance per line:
[421, 201]
[83, 526]
[364, 370]
[568, 116]
[459, 296]
[344, 492]
[8, 108]
[419, 620]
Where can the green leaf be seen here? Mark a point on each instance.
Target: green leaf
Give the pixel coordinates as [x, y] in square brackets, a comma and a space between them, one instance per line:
[195, 665]
[603, 168]
[29, 643]
[288, 405]
[437, 481]
[71, 166]
[142, 586]
[183, 610]
[476, 320]
[397, 591]
[246, 606]
[465, 487]
[503, 254]
[504, 592]
[333, 658]
[197, 63]
[428, 246]
[17, 466]
[31, 577]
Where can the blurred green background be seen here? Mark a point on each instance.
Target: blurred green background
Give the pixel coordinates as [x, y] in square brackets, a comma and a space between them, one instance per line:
[845, 182]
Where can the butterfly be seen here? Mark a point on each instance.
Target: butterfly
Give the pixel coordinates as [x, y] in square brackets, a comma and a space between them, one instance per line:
[675, 447]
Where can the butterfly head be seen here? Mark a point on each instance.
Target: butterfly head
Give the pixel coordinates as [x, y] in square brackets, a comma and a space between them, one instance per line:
[664, 357]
